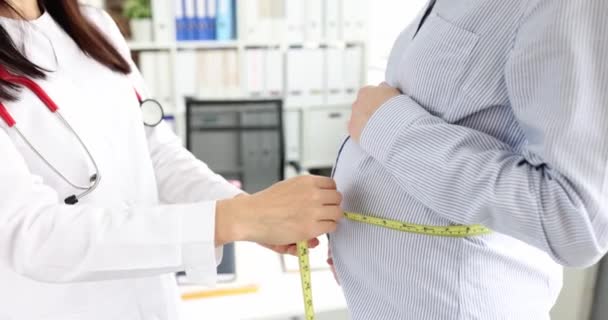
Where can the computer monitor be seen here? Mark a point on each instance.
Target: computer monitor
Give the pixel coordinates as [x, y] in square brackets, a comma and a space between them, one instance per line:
[242, 140]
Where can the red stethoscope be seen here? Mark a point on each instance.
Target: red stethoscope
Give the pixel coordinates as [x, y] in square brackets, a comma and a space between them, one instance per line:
[152, 113]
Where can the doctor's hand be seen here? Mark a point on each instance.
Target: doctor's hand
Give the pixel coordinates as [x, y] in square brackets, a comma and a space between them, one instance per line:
[291, 249]
[288, 212]
[369, 100]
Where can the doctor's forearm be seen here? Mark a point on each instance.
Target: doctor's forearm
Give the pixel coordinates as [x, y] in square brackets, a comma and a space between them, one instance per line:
[228, 225]
[290, 211]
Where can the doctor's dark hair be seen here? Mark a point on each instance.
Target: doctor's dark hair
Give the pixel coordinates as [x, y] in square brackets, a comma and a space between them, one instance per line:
[86, 35]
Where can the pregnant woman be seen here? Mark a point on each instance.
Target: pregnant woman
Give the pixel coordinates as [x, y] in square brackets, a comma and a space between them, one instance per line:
[495, 113]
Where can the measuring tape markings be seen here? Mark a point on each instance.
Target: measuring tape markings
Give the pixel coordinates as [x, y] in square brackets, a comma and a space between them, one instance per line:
[457, 231]
[306, 280]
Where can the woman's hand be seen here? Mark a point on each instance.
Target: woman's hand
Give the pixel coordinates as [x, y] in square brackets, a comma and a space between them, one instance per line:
[288, 212]
[330, 262]
[369, 100]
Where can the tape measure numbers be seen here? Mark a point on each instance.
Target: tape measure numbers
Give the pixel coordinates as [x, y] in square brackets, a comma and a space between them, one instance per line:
[458, 231]
[306, 279]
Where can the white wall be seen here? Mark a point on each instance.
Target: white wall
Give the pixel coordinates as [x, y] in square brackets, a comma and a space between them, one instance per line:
[387, 19]
[96, 3]
[576, 297]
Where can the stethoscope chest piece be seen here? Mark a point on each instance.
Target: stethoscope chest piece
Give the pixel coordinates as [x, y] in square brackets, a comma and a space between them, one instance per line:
[152, 112]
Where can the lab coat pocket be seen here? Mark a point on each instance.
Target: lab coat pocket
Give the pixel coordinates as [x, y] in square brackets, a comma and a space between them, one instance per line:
[435, 63]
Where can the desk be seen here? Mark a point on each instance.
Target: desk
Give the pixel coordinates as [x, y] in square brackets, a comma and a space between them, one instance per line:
[279, 297]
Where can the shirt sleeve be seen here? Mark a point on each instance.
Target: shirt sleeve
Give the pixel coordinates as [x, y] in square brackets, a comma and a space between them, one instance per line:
[48, 241]
[553, 194]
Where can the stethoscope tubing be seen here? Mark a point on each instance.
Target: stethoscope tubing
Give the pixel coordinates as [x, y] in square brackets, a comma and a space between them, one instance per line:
[53, 108]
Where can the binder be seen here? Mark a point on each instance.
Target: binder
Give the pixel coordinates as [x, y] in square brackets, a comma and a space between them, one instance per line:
[164, 81]
[210, 74]
[250, 28]
[335, 77]
[206, 14]
[314, 60]
[295, 20]
[259, 22]
[353, 59]
[190, 19]
[156, 70]
[209, 26]
[296, 78]
[226, 18]
[305, 87]
[277, 17]
[318, 149]
[232, 80]
[162, 20]
[255, 75]
[354, 20]
[148, 69]
[216, 73]
[332, 19]
[314, 20]
[200, 11]
[180, 20]
[274, 73]
[292, 135]
[186, 73]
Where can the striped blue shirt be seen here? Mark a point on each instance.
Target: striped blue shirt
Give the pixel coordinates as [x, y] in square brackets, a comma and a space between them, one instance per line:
[503, 121]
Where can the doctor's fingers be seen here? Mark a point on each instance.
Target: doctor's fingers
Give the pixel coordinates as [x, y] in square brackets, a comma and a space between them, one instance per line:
[329, 213]
[327, 197]
[323, 182]
[325, 227]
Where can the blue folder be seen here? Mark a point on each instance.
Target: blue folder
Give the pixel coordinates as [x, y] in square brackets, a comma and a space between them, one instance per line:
[180, 20]
[226, 20]
[208, 20]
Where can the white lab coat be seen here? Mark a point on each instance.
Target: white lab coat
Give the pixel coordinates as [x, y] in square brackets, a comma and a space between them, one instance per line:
[112, 255]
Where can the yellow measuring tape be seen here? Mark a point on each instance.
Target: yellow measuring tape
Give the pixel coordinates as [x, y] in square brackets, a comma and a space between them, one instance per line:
[309, 309]
[457, 231]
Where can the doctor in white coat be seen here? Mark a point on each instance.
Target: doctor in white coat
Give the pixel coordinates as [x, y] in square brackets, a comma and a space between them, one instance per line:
[96, 210]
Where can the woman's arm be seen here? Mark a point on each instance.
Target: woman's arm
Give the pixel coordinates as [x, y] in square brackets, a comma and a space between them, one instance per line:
[553, 194]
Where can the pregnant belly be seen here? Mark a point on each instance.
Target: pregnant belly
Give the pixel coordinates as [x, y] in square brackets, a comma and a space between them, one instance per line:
[397, 269]
[411, 276]
[370, 189]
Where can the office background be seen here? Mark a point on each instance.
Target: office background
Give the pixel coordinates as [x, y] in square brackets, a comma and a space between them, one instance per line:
[267, 86]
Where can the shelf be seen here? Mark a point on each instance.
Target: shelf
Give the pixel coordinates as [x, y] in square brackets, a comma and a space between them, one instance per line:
[323, 43]
[185, 45]
[234, 44]
[150, 46]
